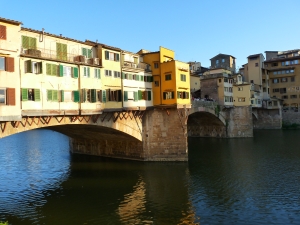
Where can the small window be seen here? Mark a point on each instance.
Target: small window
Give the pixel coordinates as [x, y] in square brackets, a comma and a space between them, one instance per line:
[240, 88]
[292, 79]
[155, 65]
[256, 64]
[182, 77]
[223, 60]
[2, 96]
[2, 32]
[168, 77]
[156, 83]
[284, 79]
[2, 63]
[220, 80]
[275, 81]
[241, 99]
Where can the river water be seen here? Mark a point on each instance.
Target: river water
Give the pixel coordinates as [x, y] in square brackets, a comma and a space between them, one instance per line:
[226, 181]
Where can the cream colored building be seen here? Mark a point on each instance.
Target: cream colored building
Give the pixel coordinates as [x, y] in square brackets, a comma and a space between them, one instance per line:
[10, 38]
[241, 92]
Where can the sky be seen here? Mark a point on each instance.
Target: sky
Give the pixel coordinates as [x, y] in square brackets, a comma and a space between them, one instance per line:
[196, 30]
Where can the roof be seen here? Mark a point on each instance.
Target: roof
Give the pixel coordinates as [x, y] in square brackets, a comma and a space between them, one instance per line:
[222, 55]
[14, 22]
[103, 45]
[53, 35]
[255, 55]
[281, 59]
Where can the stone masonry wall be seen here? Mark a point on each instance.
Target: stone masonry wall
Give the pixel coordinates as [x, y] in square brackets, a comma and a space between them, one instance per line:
[290, 117]
[267, 119]
[165, 135]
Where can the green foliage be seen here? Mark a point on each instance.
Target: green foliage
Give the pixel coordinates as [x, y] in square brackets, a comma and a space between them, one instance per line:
[217, 110]
[4, 223]
[290, 126]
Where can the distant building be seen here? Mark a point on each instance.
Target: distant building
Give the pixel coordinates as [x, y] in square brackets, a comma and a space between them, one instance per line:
[223, 61]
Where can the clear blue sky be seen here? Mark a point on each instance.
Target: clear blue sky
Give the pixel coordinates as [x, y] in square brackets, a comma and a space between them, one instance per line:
[196, 30]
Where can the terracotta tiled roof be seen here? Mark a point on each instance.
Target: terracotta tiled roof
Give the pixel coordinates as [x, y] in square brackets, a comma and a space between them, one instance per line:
[10, 21]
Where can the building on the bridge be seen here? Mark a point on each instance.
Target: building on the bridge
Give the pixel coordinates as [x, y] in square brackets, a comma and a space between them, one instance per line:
[59, 75]
[223, 61]
[284, 73]
[110, 58]
[171, 78]
[241, 91]
[217, 85]
[136, 82]
[10, 109]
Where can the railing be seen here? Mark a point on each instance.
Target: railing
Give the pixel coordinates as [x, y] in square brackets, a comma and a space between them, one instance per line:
[60, 56]
[140, 65]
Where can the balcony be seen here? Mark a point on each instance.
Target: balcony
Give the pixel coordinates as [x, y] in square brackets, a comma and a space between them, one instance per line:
[60, 56]
[139, 66]
[255, 87]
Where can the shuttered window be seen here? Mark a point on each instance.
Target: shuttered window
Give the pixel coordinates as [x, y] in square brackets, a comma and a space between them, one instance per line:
[149, 95]
[135, 96]
[29, 42]
[61, 51]
[97, 73]
[104, 96]
[107, 55]
[76, 96]
[2, 32]
[93, 95]
[9, 64]
[24, 93]
[52, 95]
[52, 69]
[125, 96]
[87, 52]
[11, 96]
[37, 95]
[75, 72]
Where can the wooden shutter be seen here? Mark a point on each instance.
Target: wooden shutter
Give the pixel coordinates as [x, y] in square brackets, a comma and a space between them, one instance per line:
[54, 69]
[32, 43]
[25, 42]
[84, 52]
[141, 78]
[75, 72]
[49, 95]
[2, 32]
[106, 55]
[93, 95]
[83, 91]
[88, 71]
[61, 70]
[40, 67]
[172, 94]
[89, 53]
[24, 92]
[76, 96]
[99, 73]
[9, 64]
[104, 96]
[135, 96]
[10, 96]
[149, 95]
[55, 95]
[125, 96]
[123, 75]
[117, 57]
[62, 96]
[137, 77]
[37, 95]
[140, 95]
[48, 69]
[119, 95]
[28, 66]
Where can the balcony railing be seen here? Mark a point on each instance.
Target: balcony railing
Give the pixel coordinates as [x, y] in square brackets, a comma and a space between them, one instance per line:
[255, 87]
[60, 56]
[140, 65]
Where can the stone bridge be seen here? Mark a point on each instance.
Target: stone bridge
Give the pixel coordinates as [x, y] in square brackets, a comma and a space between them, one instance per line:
[159, 134]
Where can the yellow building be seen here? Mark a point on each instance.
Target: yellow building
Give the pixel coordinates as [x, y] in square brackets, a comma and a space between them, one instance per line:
[10, 38]
[171, 78]
[241, 92]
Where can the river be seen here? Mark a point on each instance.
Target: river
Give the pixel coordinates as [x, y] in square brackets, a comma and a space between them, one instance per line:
[226, 181]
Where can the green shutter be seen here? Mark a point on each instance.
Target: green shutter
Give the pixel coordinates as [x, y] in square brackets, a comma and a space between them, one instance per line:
[178, 94]
[28, 66]
[106, 55]
[123, 75]
[104, 96]
[37, 95]
[48, 69]
[25, 42]
[93, 95]
[125, 96]
[75, 72]
[149, 95]
[58, 51]
[83, 95]
[54, 69]
[49, 95]
[140, 94]
[99, 73]
[64, 52]
[135, 96]
[84, 51]
[62, 96]
[24, 94]
[61, 70]
[117, 57]
[89, 53]
[137, 77]
[142, 78]
[88, 71]
[76, 96]
[55, 95]
[32, 43]
[41, 67]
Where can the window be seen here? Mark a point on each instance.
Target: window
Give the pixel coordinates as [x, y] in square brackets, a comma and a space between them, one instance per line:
[68, 96]
[97, 73]
[156, 83]
[30, 94]
[112, 56]
[256, 64]
[283, 79]
[114, 95]
[117, 74]
[275, 81]
[61, 51]
[223, 60]
[285, 97]
[217, 61]
[52, 95]
[168, 77]
[7, 96]
[182, 77]
[168, 95]
[28, 42]
[89, 95]
[156, 65]
[241, 99]
[225, 79]
[183, 94]
[7, 64]
[220, 80]
[108, 73]
[276, 90]
[2, 32]
[86, 71]
[282, 90]
[87, 52]
[52, 69]
[292, 79]
[293, 96]
[33, 67]
[282, 63]
[274, 64]
[240, 88]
